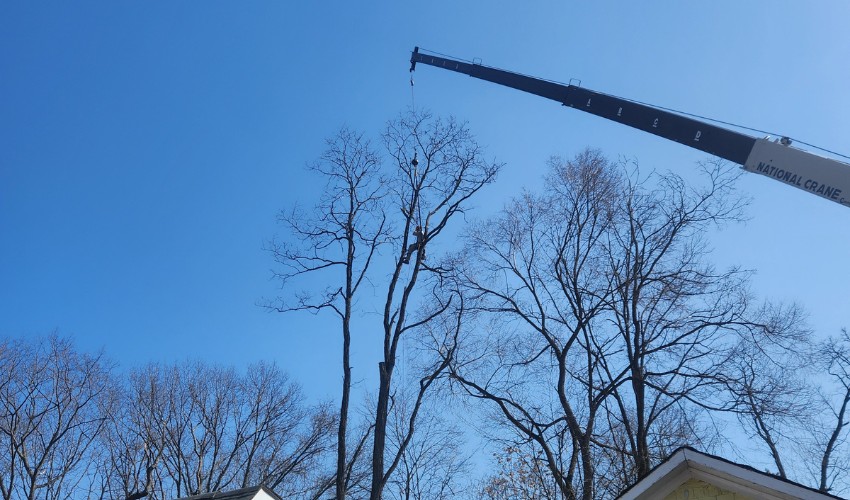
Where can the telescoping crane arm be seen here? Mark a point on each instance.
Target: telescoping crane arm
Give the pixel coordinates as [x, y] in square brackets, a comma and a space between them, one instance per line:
[819, 175]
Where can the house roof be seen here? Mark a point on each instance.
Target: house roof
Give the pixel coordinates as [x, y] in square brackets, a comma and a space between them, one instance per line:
[687, 463]
[252, 493]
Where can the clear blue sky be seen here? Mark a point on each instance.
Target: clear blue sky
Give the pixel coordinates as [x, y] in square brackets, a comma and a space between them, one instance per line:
[146, 147]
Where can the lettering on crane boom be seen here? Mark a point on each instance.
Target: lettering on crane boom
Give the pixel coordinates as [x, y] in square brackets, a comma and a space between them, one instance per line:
[827, 178]
[788, 177]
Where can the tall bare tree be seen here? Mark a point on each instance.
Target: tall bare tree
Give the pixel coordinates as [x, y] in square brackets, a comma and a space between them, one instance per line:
[435, 168]
[674, 313]
[439, 167]
[53, 406]
[537, 276]
[339, 239]
[601, 315]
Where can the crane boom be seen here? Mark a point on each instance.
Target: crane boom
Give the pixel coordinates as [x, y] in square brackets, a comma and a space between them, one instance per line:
[816, 174]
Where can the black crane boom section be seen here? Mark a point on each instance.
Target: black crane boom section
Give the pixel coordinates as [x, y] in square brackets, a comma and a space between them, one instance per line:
[718, 141]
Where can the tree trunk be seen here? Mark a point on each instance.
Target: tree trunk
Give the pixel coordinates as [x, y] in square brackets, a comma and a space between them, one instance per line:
[642, 462]
[341, 462]
[380, 431]
[824, 467]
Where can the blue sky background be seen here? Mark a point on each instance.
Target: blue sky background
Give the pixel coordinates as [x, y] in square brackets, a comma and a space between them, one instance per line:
[145, 148]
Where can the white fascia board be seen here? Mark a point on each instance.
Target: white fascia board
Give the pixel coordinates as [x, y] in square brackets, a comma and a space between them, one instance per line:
[745, 480]
[688, 464]
[675, 469]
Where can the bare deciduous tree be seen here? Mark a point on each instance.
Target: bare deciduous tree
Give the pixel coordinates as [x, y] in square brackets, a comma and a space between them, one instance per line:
[601, 316]
[340, 235]
[126, 465]
[436, 167]
[53, 405]
[537, 275]
[768, 391]
[434, 463]
[793, 399]
[193, 428]
[432, 187]
[521, 472]
[834, 357]
[673, 312]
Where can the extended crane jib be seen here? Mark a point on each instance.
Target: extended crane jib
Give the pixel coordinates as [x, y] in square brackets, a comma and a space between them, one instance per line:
[816, 174]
